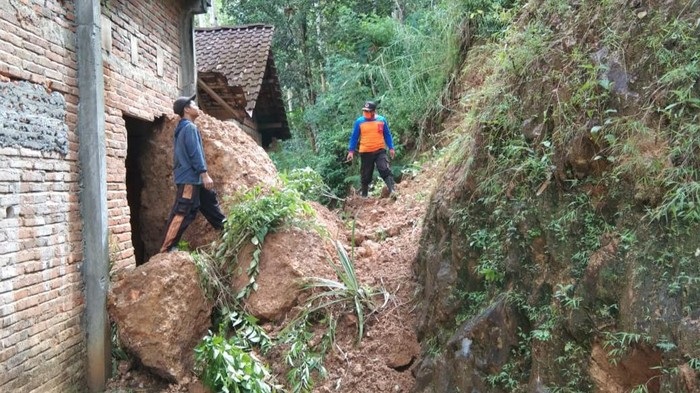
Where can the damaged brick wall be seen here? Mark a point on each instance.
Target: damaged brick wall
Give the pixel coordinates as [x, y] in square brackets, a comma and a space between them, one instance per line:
[41, 305]
[42, 344]
[141, 62]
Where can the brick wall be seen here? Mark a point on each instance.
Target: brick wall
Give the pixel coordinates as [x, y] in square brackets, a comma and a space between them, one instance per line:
[42, 344]
[141, 63]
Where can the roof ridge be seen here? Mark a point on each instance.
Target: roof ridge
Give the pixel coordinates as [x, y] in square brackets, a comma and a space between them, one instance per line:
[237, 27]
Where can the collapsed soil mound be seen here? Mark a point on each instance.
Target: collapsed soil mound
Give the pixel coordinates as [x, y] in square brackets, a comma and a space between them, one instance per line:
[235, 162]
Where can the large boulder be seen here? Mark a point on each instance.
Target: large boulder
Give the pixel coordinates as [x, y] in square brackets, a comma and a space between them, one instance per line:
[161, 313]
[288, 256]
[235, 162]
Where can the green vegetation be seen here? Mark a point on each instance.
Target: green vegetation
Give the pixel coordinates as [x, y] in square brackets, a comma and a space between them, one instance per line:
[253, 215]
[335, 298]
[578, 155]
[332, 56]
[226, 360]
[304, 357]
[579, 159]
[229, 364]
[347, 291]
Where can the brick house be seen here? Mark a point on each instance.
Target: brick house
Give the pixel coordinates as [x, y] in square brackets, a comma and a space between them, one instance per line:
[74, 110]
[237, 80]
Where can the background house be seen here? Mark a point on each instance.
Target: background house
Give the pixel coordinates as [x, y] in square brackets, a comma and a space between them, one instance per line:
[237, 80]
[75, 111]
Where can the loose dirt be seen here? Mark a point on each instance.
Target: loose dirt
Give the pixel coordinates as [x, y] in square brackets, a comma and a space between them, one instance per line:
[387, 236]
[387, 232]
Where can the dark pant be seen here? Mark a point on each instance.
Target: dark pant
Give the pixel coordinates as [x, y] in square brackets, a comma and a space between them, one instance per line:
[367, 163]
[190, 199]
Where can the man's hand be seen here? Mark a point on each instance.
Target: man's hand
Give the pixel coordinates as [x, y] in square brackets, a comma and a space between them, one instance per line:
[392, 153]
[350, 156]
[207, 181]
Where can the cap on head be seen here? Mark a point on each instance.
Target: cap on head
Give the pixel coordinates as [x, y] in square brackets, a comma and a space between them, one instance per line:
[181, 103]
[369, 106]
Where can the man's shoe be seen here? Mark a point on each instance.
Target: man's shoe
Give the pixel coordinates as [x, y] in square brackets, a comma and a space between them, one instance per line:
[390, 184]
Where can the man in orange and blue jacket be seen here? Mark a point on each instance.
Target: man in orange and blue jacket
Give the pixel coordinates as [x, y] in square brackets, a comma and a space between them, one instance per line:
[372, 133]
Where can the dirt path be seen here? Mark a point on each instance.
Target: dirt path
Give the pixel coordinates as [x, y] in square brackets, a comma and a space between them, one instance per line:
[387, 236]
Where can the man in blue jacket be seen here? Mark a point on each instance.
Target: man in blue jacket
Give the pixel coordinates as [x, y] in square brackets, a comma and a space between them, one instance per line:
[371, 133]
[194, 185]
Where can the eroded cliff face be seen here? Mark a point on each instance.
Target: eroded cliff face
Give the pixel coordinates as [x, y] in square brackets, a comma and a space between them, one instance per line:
[562, 248]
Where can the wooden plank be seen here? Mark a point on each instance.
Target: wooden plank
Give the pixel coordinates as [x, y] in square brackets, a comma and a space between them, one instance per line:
[217, 98]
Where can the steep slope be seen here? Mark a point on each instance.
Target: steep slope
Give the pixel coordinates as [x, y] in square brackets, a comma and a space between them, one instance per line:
[386, 237]
[561, 251]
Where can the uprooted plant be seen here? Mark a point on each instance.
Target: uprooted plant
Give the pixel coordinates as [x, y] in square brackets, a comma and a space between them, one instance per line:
[227, 363]
[329, 299]
[226, 360]
[253, 215]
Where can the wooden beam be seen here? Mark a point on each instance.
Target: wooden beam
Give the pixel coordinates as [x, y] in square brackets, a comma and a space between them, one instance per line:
[267, 126]
[217, 98]
[257, 137]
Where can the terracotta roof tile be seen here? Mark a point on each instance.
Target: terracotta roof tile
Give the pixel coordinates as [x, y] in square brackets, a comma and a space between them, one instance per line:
[240, 53]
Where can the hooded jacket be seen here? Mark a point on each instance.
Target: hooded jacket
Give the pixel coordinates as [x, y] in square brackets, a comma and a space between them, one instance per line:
[189, 162]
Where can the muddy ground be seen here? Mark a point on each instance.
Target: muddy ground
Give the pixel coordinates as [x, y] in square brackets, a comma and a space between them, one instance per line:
[387, 235]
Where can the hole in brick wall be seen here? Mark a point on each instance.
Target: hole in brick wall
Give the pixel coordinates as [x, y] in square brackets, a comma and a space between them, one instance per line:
[11, 212]
[139, 133]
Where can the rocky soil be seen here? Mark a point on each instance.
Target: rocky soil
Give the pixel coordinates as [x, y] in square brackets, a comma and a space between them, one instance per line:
[386, 236]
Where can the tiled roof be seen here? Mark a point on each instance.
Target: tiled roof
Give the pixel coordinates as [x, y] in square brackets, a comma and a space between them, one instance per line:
[240, 53]
[243, 55]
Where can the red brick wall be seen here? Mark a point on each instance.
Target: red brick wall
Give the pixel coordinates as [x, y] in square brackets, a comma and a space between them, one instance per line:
[134, 87]
[42, 347]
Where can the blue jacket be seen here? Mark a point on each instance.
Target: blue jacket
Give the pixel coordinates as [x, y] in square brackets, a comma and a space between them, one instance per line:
[371, 135]
[189, 154]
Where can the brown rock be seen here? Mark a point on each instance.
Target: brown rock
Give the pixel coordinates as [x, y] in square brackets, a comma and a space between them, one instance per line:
[639, 366]
[393, 231]
[287, 256]
[356, 238]
[161, 313]
[401, 349]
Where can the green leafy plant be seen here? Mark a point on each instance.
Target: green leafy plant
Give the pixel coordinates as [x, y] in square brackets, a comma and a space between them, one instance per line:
[248, 334]
[346, 292]
[226, 361]
[309, 184]
[225, 366]
[118, 353]
[564, 292]
[619, 343]
[572, 361]
[512, 375]
[183, 245]
[253, 215]
[307, 352]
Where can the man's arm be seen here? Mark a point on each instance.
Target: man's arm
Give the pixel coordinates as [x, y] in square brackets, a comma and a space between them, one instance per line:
[388, 140]
[354, 138]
